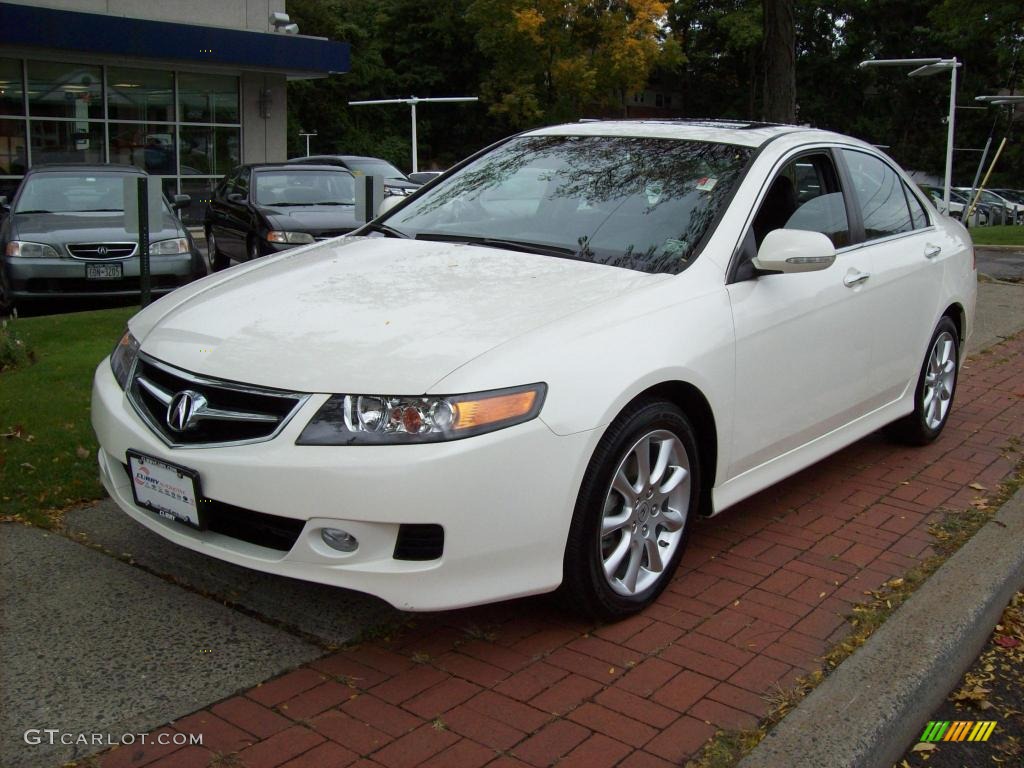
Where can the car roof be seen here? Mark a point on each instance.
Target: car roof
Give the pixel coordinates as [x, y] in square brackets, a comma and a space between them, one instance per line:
[741, 132]
[292, 167]
[86, 168]
[344, 158]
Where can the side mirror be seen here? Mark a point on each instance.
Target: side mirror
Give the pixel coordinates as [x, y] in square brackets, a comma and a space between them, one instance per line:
[236, 198]
[794, 250]
[3, 202]
[388, 203]
[181, 201]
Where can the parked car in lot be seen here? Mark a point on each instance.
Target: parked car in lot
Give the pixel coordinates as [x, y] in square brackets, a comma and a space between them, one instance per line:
[395, 182]
[958, 203]
[536, 373]
[1000, 211]
[265, 208]
[64, 236]
[1014, 197]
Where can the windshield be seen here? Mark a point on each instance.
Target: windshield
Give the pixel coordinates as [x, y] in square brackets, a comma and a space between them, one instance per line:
[301, 187]
[637, 203]
[70, 193]
[376, 168]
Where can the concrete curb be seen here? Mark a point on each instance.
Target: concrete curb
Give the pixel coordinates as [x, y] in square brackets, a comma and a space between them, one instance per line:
[1010, 248]
[877, 701]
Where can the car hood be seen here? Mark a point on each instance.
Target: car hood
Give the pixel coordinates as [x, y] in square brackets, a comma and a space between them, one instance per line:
[84, 227]
[369, 315]
[313, 219]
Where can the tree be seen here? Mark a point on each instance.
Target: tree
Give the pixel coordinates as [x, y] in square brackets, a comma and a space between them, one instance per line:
[779, 61]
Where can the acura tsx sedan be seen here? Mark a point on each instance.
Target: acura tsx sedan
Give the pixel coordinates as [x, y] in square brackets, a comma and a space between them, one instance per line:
[536, 373]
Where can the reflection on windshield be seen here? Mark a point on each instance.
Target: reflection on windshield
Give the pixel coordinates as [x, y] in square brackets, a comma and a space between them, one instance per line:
[637, 203]
[72, 194]
[305, 188]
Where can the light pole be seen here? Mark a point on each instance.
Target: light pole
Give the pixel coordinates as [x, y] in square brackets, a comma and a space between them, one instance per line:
[307, 135]
[931, 67]
[412, 101]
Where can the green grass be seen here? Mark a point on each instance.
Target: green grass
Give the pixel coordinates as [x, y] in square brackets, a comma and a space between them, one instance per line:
[47, 448]
[1005, 234]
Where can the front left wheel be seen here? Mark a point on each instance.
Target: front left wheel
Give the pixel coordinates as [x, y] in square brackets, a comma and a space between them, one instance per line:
[632, 516]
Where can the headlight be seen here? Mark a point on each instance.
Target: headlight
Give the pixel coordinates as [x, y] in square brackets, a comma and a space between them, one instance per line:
[169, 247]
[122, 359]
[31, 250]
[294, 238]
[394, 419]
[400, 191]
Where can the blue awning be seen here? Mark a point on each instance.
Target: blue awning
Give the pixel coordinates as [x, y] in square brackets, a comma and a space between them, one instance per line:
[143, 38]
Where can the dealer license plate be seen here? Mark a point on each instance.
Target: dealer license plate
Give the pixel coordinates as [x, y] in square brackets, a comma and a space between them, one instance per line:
[167, 489]
[104, 271]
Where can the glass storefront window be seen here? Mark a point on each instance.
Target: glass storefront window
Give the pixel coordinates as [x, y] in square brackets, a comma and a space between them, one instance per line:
[208, 151]
[148, 146]
[140, 94]
[208, 98]
[60, 141]
[12, 94]
[13, 159]
[64, 90]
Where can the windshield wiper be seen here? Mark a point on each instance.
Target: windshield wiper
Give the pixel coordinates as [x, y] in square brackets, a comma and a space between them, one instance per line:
[285, 204]
[331, 202]
[40, 210]
[101, 210]
[495, 242]
[384, 229]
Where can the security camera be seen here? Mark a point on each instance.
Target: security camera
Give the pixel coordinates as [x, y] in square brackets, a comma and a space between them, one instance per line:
[290, 29]
[278, 19]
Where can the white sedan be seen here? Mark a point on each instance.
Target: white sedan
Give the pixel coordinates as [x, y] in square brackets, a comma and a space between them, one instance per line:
[534, 374]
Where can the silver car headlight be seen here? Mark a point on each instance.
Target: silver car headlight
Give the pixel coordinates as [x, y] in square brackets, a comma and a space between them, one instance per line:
[27, 250]
[398, 420]
[293, 238]
[122, 359]
[169, 247]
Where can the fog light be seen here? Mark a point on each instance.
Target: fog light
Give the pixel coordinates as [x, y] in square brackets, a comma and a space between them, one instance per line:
[335, 538]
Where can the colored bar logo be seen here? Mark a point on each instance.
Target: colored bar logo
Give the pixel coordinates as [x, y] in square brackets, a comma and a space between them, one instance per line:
[958, 730]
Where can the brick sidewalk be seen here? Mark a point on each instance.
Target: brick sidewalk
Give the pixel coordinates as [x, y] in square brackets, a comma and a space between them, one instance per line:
[762, 593]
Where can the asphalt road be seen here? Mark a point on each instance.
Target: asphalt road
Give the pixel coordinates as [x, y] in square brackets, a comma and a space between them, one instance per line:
[1001, 264]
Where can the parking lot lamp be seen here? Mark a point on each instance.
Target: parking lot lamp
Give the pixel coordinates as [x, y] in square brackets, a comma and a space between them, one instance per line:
[925, 67]
[412, 101]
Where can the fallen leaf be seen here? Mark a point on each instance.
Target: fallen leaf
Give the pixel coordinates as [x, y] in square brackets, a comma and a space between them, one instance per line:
[81, 452]
[1006, 641]
[977, 487]
[924, 746]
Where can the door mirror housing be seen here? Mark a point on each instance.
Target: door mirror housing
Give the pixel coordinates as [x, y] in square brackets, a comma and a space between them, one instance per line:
[388, 203]
[181, 201]
[236, 198]
[794, 250]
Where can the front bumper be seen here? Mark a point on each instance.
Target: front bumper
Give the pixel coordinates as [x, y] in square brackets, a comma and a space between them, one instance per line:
[504, 500]
[53, 278]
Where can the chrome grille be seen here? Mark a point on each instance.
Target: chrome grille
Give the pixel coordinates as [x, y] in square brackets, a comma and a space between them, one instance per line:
[218, 412]
[102, 250]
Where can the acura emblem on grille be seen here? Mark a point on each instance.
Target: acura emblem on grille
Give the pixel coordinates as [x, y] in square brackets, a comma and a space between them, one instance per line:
[102, 250]
[183, 410]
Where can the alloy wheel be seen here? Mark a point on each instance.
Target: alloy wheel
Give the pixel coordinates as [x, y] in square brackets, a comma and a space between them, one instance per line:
[939, 380]
[645, 512]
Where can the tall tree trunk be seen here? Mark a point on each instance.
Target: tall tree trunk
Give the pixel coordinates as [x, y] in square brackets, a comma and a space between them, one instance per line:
[779, 61]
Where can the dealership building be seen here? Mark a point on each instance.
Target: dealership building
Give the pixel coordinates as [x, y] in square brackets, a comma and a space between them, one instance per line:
[184, 89]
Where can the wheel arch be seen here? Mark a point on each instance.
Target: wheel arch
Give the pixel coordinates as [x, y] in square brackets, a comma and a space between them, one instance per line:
[697, 408]
[958, 315]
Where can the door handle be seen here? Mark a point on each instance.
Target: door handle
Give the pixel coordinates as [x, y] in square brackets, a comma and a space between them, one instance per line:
[855, 277]
[931, 251]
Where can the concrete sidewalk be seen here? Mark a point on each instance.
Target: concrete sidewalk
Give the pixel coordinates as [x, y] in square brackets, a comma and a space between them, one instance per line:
[763, 591]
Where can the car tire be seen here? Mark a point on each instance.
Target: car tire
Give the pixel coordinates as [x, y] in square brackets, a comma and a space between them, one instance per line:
[936, 386]
[7, 304]
[627, 522]
[254, 249]
[216, 259]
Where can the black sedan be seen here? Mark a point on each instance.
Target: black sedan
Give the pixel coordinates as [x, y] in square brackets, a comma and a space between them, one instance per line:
[395, 182]
[64, 235]
[265, 208]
